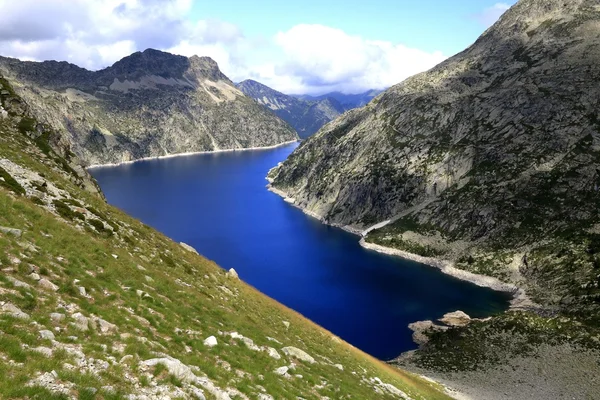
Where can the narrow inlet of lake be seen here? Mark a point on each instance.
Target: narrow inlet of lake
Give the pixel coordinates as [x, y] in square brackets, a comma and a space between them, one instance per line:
[218, 203]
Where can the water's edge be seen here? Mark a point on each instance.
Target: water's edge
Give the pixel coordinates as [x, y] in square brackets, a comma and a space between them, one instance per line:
[519, 299]
[191, 153]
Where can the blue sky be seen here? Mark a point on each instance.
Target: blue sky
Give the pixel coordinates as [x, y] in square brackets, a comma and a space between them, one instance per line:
[296, 47]
[430, 25]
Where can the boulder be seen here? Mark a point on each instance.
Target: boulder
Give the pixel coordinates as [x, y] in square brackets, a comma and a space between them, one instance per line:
[57, 317]
[105, 326]
[210, 341]
[81, 322]
[301, 355]
[11, 231]
[283, 371]
[188, 247]
[175, 367]
[18, 283]
[47, 285]
[232, 273]
[456, 318]
[420, 328]
[15, 311]
[46, 334]
[272, 353]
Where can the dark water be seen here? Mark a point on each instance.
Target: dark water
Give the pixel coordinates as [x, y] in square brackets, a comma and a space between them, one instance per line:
[218, 203]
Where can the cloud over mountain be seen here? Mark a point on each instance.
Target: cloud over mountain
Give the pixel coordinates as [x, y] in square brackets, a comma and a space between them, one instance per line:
[304, 59]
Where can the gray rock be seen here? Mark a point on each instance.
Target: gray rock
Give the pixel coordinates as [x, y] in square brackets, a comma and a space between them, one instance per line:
[82, 322]
[34, 276]
[105, 326]
[11, 231]
[57, 317]
[456, 318]
[282, 371]
[45, 351]
[18, 283]
[47, 285]
[210, 341]
[188, 248]
[175, 367]
[13, 310]
[301, 355]
[232, 273]
[46, 334]
[272, 353]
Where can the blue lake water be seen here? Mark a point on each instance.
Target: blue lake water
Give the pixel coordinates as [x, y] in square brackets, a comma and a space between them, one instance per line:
[218, 203]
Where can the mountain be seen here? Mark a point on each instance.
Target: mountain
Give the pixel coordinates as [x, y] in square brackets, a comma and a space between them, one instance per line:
[96, 305]
[306, 117]
[488, 163]
[348, 101]
[148, 104]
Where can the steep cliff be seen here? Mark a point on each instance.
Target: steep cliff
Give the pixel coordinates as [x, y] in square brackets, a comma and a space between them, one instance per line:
[148, 104]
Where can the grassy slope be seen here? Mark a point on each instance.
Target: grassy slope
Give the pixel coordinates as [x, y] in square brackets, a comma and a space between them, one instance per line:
[185, 292]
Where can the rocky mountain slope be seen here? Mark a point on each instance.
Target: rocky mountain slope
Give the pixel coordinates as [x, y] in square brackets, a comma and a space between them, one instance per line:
[96, 305]
[491, 162]
[347, 101]
[148, 104]
[306, 117]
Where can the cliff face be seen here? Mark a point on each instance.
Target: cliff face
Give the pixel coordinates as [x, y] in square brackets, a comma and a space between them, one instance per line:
[306, 117]
[148, 104]
[490, 160]
[501, 139]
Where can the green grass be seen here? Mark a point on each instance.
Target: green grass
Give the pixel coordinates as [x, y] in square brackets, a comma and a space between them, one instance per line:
[184, 295]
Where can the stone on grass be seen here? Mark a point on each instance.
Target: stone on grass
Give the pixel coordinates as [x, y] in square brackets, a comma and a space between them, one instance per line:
[232, 273]
[295, 352]
[46, 284]
[11, 231]
[57, 317]
[188, 247]
[175, 367]
[210, 341]
[46, 334]
[15, 311]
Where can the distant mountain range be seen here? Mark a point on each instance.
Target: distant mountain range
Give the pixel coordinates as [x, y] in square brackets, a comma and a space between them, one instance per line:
[348, 101]
[306, 114]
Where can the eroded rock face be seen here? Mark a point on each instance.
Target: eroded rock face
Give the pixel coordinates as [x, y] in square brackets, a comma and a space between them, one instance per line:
[148, 104]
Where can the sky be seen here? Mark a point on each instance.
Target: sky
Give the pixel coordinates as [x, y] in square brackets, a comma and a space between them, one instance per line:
[300, 47]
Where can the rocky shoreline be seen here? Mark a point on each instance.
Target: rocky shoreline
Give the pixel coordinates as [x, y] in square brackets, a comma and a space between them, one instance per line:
[519, 299]
[192, 153]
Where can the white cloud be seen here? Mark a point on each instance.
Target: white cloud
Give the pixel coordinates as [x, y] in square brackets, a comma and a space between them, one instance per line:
[491, 14]
[304, 59]
[318, 58]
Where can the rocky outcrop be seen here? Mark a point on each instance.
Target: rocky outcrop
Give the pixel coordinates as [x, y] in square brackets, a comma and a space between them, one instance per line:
[148, 104]
[305, 116]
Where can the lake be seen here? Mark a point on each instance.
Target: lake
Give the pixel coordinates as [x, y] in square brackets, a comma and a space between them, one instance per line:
[218, 204]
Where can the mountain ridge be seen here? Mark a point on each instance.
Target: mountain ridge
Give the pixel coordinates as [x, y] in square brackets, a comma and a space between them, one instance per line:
[148, 104]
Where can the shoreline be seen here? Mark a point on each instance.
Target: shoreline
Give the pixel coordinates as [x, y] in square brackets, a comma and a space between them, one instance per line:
[191, 153]
[519, 299]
